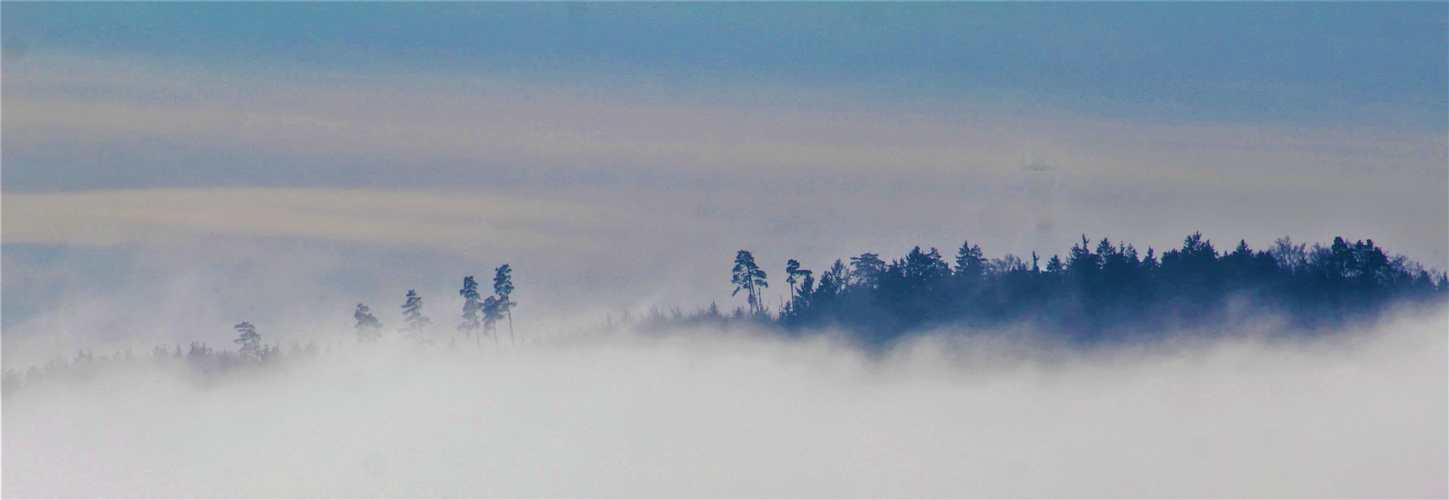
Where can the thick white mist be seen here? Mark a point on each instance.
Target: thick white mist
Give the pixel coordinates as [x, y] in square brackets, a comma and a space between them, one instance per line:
[727, 414]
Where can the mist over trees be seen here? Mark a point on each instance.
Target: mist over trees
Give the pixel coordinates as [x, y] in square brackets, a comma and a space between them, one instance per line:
[416, 321]
[1098, 292]
[369, 330]
[503, 289]
[480, 317]
[250, 342]
[471, 305]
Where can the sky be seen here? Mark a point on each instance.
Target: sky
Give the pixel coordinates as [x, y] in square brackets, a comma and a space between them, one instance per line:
[169, 170]
[293, 160]
[618, 154]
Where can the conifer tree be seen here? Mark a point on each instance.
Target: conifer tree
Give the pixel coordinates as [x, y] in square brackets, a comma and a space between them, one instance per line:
[793, 274]
[838, 275]
[250, 340]
[492, 312]
[867, 269]
[798, 294]
[970, 264]
[503, 288]
[413, 316]
[471, 306]
[368, 328]
[749, 277]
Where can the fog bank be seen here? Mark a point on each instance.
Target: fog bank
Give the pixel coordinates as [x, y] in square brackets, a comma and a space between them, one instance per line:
[730, 414]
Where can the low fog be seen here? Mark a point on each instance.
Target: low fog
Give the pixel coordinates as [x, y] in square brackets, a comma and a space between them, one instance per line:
[731, 413]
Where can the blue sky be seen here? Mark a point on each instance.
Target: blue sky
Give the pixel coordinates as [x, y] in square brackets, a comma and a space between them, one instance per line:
[1308, 63]
[280, 162]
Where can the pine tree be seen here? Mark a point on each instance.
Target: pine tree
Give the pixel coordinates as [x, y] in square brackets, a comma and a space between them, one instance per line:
[749, 277]
[368, 328]
[471, 323]
[492, 311]
[503, 288]
[793, 275]
[838, 275]
[413, 316]
[798, 294]
[250, 340]
[867, 269]
[970, 264]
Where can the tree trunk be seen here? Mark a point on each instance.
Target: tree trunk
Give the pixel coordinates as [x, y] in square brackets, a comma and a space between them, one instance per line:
[510, 328]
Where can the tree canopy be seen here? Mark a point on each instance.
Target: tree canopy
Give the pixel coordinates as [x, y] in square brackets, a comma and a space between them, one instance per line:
[1106, 290]
[748, 276]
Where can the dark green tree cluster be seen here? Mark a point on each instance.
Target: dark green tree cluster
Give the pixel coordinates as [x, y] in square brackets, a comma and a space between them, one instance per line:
[369, 330]
[1103, 291]
[480, 315]
[749, 278]
[495, 308]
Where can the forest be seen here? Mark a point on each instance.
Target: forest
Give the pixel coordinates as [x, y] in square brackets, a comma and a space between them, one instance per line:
[1100, 293]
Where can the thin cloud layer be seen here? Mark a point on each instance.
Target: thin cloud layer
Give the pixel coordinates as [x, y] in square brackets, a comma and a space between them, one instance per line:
[75, 123]
[448, 220]
[618, 123]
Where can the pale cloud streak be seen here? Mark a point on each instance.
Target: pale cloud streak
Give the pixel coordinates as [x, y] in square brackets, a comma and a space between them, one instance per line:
[407, 219]
[623, 142]
[613, 125]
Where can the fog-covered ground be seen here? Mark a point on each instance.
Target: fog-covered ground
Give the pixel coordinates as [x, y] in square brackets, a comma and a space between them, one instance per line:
[739, 414]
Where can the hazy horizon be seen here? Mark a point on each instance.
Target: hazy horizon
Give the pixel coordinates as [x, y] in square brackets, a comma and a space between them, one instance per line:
[173, 169]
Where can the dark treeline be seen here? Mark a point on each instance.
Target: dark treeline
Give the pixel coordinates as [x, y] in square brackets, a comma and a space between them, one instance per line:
[1098, 292]
[197, 358]
[480, 318]
[1102, 292]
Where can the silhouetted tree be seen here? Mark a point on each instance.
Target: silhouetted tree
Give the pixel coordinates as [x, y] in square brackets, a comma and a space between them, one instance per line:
[471, 305]
[1055, 265]
[867, 269]
[1290, 257]
[250, 341]
[793, 275]
[368, 328]
[970, 264]
[492, 312]
[1102, 290]
[503, 288]
[413, 316]
[792, 268]
[838, 273]
[921, 269]
[749, 277]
